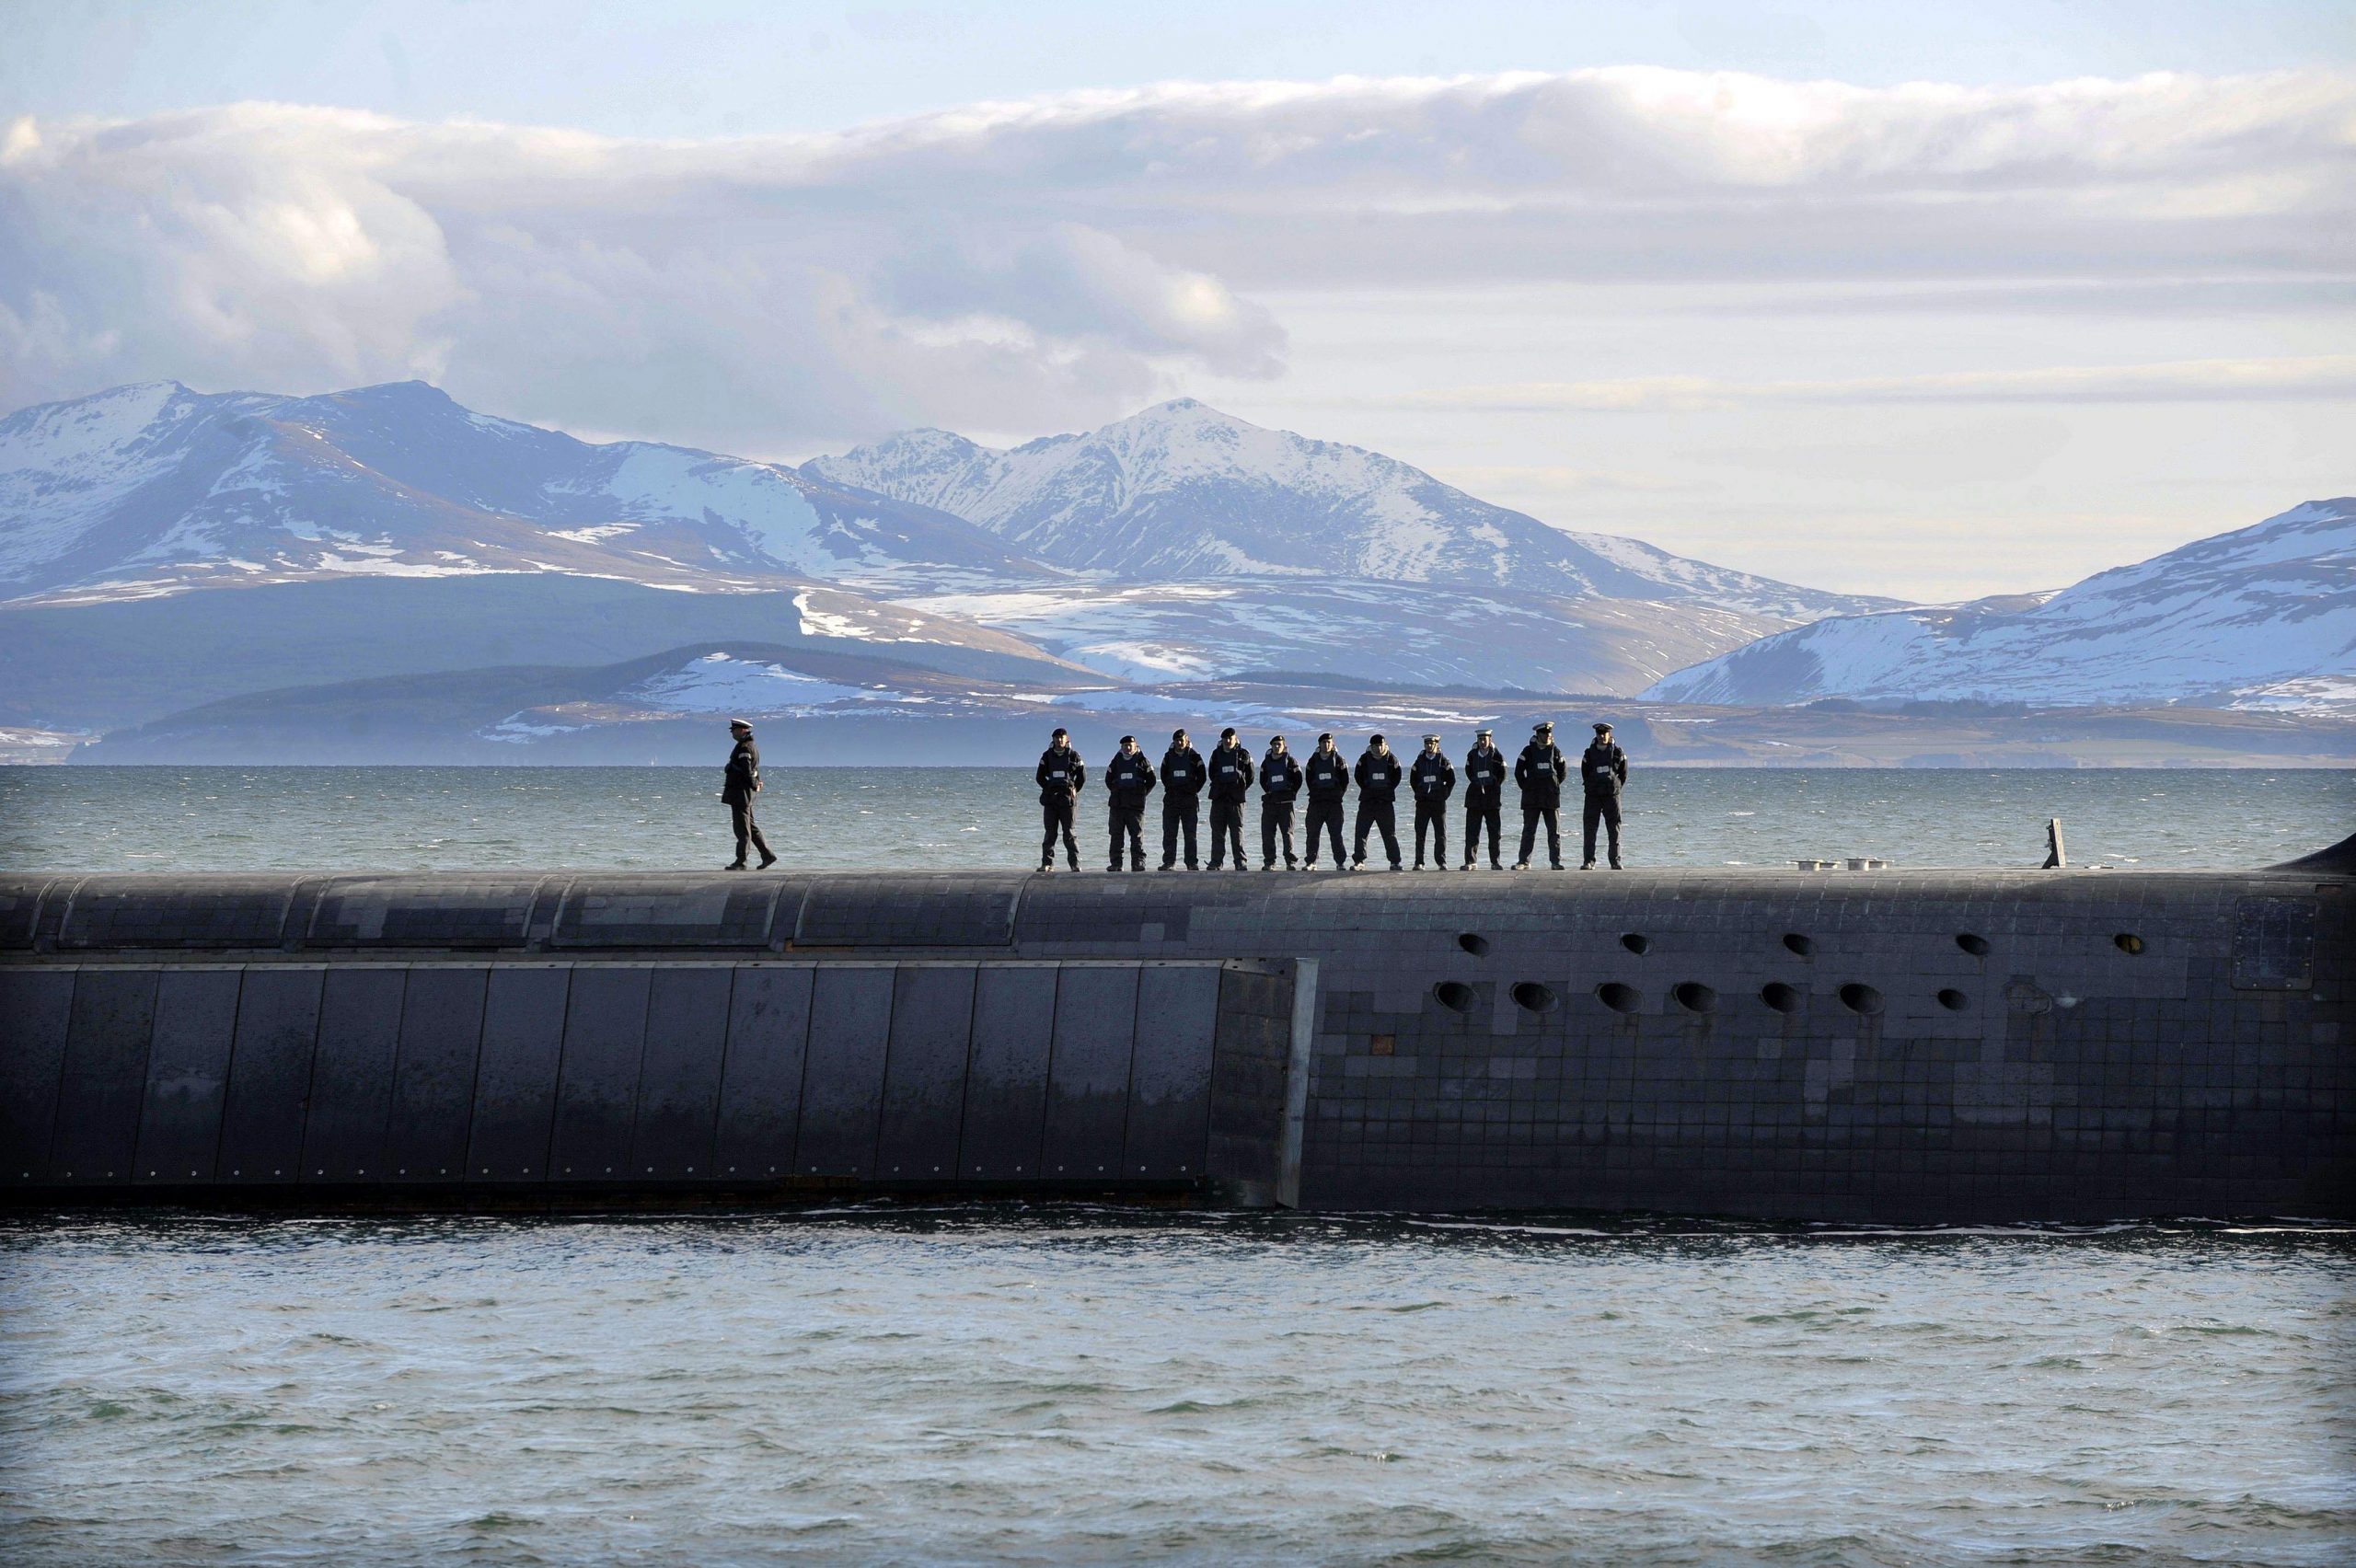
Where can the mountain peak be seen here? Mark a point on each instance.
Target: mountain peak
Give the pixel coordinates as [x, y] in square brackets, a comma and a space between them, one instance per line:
[1181, 410]
[1182, 491]
[2254, 617]
[132, 395]
[411, 393]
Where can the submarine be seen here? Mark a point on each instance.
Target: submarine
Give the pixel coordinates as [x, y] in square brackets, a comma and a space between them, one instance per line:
[1887, 1046]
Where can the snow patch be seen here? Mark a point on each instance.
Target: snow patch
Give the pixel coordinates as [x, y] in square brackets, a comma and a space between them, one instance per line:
[2313, 694]
[519, 729]
[720, 683]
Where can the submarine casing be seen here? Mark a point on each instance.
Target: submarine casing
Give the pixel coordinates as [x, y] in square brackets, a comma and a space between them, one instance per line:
[1889, 1046]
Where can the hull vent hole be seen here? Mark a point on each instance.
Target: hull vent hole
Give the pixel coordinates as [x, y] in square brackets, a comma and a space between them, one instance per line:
[1635, 944]
[1618, 998]
[1861, 998]
[1954, 1000]
[1478, 946]
[1799, 944]
[1453, 995]
[2128, 941]
[1976, 946]
[1531, 997]
[1782, 998]
[1694, 996]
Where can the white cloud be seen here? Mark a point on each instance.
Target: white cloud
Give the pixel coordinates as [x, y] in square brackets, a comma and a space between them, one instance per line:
[2302, 377]
[1025, 264]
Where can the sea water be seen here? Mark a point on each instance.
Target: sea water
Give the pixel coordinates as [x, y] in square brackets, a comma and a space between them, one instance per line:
[1066, 1385]
[175, 819]
[1063, 1383]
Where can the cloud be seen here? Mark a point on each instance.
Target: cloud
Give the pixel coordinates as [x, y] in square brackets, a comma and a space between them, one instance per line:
[1011, 265]
[2314, 377]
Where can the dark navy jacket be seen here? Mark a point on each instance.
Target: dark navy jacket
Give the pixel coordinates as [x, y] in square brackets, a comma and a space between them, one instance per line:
[743, 775]
[1060, 774]
[1328, 774]
[1379, 777]
[1279, 779]
[1231, 775]
[1485, 775]
[1603, 768]
[1128, 780]
[1181, 776]
[1432, 777]
[1539, 770]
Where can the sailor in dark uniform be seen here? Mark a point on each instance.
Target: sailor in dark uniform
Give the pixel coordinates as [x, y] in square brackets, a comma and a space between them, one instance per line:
[1128, 780]
[1181, 794]
[1433, 779]
[1604, 770]
[1485, 772]
[1328, 778]
[1378, 775]
[1230, 771]
[1279, 784]
[738, 786]
[1060, 774]
[1539, 770]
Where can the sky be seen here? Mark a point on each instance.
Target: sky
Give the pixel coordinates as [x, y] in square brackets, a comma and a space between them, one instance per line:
[1865, 296]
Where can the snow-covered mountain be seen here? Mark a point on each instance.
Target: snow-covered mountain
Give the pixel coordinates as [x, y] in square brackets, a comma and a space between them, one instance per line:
[154, 488]
[1185, 545]
[1182, 492]
[2263, 617]
[1224, 628]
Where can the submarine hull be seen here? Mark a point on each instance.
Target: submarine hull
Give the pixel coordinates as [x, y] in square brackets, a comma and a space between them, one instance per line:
[1889, 1047]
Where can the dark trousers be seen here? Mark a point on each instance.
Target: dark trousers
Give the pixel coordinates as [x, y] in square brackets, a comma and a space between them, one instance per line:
[1432, 814]
[1227, 828]
[1128, 821]
[1375, 813]
[1177, 812]
[1057, 815]
[1327, 815]
[1530, 817]
[740, 817]
[1604, 809]
[1275, 816]
[1479, 814]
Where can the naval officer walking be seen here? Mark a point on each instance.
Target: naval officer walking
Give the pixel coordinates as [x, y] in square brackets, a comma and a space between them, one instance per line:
[738, 785]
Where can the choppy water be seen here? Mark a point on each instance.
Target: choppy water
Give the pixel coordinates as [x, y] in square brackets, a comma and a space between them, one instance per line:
[1062, 1385]
[130, 819]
